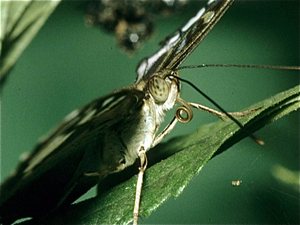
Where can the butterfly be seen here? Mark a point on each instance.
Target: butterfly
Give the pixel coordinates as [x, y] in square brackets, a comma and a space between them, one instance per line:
[109, 101]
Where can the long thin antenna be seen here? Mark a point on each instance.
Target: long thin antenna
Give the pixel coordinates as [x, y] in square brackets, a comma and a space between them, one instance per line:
[241, 66]
[256, 139]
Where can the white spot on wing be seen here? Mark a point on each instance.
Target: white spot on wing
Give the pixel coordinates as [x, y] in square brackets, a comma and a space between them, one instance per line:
[112, 104]
[208, 16]
[107, 101]
[147, 63]
[24, 156]
[174, 39]
[71, 115]
[193, 20]
[210, 2]
[87, 117]
[183, 43]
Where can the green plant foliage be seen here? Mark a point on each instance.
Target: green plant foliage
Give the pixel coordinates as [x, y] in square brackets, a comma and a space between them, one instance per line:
[20, 22]
[188, 154]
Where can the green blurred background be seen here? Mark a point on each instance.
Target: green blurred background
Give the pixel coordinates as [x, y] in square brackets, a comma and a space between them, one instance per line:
[67, 65]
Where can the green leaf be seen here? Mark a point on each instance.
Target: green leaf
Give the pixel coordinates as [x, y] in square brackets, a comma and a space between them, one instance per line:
[185, 155]
[20, 22]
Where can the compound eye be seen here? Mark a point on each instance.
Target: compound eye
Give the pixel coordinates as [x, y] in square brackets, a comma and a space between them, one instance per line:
[159, 89]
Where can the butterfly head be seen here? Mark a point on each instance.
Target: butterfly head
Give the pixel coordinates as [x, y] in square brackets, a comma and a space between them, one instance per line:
[163, 88]
[160, 86]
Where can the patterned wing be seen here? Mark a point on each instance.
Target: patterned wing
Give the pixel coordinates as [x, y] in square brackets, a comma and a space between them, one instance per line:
[181, 44]
[62, 158]
[75, 146]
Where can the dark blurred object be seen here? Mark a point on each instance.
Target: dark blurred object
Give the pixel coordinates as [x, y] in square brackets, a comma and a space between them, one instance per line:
[131, 20]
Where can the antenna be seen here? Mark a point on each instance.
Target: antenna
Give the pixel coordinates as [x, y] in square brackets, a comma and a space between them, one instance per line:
[256, 139]
[241, 66]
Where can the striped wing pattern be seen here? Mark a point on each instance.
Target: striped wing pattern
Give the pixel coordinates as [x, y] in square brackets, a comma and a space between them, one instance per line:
[74, 146]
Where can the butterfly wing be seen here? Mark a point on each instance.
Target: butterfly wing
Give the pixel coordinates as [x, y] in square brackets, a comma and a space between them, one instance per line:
[74, 148]
[55, 172]
[178, 46]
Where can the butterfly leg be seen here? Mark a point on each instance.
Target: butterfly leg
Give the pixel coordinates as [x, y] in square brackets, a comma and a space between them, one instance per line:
[183, 114]
[186, 108]
[231, 115]
[143, 158]
[220, 114]
[165, 132]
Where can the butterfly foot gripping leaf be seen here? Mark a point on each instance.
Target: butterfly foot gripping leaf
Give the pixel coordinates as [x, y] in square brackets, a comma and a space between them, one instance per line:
[105, 136]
